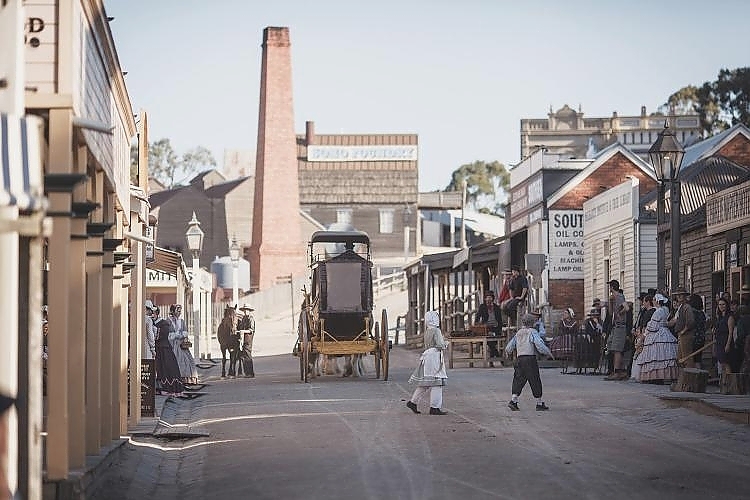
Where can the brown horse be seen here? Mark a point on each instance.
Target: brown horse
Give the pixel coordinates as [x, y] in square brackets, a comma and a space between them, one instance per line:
[229, 341]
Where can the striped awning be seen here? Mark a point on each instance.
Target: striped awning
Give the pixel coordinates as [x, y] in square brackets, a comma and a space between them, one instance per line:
[21, 180]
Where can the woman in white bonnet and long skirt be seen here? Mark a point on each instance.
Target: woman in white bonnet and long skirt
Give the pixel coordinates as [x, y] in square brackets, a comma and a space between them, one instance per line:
[430, 375]
[657, 361]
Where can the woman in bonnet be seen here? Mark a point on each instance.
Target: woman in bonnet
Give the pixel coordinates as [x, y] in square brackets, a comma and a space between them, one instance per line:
[430, 375]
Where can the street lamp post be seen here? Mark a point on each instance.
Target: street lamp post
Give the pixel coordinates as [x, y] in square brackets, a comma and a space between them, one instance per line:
[406, 219]
[194, 237]
[666, 157]
[234, 254]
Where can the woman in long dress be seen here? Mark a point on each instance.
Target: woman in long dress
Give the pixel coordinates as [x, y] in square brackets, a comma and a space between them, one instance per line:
[167, 371]
[658, 359]
[185, 359]
[430, 375]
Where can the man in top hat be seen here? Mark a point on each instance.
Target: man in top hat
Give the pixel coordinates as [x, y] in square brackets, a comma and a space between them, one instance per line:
[617, 313]
[683, 323]
[246, 328]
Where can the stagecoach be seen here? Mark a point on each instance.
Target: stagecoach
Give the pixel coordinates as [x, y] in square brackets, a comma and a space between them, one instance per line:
[337, 311]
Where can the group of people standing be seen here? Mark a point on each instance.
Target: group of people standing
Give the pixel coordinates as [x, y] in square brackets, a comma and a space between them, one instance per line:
[166, 342]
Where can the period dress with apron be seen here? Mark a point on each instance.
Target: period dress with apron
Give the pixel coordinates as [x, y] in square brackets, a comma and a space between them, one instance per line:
[431, 369]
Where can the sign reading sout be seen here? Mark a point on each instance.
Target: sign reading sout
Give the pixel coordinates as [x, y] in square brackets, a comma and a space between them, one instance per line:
[566, 244]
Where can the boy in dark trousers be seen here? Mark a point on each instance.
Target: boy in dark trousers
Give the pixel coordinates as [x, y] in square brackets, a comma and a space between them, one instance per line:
[527, 343]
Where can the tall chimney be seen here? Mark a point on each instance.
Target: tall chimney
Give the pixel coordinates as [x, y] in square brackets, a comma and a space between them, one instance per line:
[277, 248]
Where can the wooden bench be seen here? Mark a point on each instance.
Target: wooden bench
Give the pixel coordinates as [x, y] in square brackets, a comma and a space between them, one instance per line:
[472, 342]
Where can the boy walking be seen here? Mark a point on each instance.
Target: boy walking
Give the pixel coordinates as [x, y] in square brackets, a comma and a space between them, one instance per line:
[527, 344]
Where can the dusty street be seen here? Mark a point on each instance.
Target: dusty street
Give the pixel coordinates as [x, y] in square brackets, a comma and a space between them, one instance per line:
[275, 437]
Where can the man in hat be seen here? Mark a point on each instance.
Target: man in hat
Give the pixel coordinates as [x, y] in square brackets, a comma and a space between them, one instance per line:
[489, 314]
[683, 323]
[539, 324]
[519, 289]
[527, 343]
[617, 313]
[246, 328]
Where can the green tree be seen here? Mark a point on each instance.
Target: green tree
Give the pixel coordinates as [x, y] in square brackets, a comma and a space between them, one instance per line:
[720, 104]
[486, 185]
[167, 167]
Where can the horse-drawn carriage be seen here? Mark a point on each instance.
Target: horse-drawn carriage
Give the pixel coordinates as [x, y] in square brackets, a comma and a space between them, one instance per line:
[336, 317]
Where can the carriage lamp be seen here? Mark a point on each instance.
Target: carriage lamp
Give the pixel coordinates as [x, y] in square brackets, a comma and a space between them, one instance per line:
[234, 255]
[666, 156]
[194, 237]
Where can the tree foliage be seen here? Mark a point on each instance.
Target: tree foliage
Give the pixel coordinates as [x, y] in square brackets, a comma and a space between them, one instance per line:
[486, 184]
[169, 168]
[720, 104]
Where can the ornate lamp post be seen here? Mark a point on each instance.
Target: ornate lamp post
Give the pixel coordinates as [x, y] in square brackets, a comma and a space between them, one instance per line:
[406, 219]
[194, 237]
[666, 157]
[234, 254]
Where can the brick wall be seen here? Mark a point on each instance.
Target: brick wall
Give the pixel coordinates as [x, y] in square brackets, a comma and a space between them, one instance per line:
[567, 293]
[609, 174]
[737, 150]
[275, 249]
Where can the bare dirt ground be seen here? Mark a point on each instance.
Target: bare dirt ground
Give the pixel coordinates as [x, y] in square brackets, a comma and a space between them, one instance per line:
[341, 438]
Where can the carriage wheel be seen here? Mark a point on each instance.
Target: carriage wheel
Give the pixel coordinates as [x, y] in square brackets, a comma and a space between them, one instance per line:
[377, 350]
[385, 352]
[305, 354]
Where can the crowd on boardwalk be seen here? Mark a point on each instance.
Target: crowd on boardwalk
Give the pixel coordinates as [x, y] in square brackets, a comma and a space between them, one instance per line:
[648, 342]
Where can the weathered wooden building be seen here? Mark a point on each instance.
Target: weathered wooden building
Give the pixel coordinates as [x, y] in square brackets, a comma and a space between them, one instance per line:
[367, 180]
[714, 250]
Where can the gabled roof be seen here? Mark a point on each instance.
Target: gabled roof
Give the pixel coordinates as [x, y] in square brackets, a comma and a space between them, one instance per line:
[708, 147]
[161, 197]
[221, 190]
[699, 180]
[601, 158]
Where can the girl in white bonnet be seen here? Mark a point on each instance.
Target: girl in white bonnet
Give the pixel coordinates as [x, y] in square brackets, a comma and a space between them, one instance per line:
[430, 375]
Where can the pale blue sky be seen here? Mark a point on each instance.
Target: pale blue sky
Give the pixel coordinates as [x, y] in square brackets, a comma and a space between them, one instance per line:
[461, 73]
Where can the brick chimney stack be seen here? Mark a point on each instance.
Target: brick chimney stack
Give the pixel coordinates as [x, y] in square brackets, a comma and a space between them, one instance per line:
[277, 247]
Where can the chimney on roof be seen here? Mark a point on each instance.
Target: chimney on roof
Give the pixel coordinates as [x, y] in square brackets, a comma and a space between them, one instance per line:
[643, 110]
[309, 132]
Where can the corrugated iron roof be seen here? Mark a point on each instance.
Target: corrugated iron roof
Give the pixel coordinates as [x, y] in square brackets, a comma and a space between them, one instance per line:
[699, 180]
[707, 146]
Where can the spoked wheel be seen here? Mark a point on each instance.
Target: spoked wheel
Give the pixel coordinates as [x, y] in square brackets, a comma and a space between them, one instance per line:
[384, 351]
[378, 354]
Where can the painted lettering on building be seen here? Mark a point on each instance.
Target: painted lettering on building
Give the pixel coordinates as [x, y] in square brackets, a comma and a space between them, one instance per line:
[565, 244]
[363, 153]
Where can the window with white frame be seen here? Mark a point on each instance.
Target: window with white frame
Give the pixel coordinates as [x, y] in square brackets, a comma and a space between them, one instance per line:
[344, 215]
[386, 220]
[747, 253]
[718, 260]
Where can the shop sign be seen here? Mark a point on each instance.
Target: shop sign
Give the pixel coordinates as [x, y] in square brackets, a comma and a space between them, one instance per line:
[363, 153]
[156, 278]
[611, 207]
[148, 388]
[566, 244]
[728, 209]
